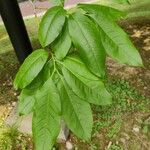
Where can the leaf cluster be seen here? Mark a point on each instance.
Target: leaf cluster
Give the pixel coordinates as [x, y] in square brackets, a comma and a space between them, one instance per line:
[61, 80]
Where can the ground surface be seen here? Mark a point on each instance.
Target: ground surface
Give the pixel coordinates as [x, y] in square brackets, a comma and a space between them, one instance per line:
[125, 124]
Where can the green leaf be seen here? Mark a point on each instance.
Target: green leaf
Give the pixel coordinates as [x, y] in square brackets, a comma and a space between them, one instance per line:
[82, 70]
[47, 70]
[111, 13]
[26, 102]
[58, 2]
[51, 25]
[76, 112]
[62, 44]
[31, 67]
[85, 36]
[84, 84]
[46, 117]
[27, 96]
[114, 39]
[122, 1]
[50, 70]
[86, 93]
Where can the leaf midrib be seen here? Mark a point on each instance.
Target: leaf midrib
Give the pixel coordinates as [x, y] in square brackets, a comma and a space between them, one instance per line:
[84, 132]
[46, 119]
[51, 24]
[87, 42]
[92, 90]
[41, 57]
[76, 72]
[101, 26]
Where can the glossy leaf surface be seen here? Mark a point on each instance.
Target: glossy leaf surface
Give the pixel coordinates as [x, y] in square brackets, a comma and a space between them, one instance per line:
[51, 25]
[31, 67]
[85, 36]
[62, 44]
[46, 118]
[76, 112]
[114, 39]
[87, 86]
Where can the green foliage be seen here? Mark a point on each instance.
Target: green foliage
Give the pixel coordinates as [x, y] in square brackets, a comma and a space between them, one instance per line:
[26, 102]
[51, 25]
[87, 86]
[26, 98]
[46, 117]
[117, 47]
[129, 1]
[76, 112]
[86, 37]
[62, 44]
[123, 1]
[62, 79]
[30, 68]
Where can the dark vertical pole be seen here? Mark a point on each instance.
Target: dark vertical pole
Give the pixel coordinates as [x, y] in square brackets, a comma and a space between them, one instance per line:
[15, 27]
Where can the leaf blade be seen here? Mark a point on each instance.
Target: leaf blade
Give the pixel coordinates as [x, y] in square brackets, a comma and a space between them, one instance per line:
[85, 36]
[77, 113]
[62, 44]
[116, 42]
[51, 25]
[46, 117]
[83, 83]
[27, 96]
[31, 67]
[113, 13]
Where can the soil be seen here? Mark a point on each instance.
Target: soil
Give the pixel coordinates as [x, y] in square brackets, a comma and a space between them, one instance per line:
[129, 136]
